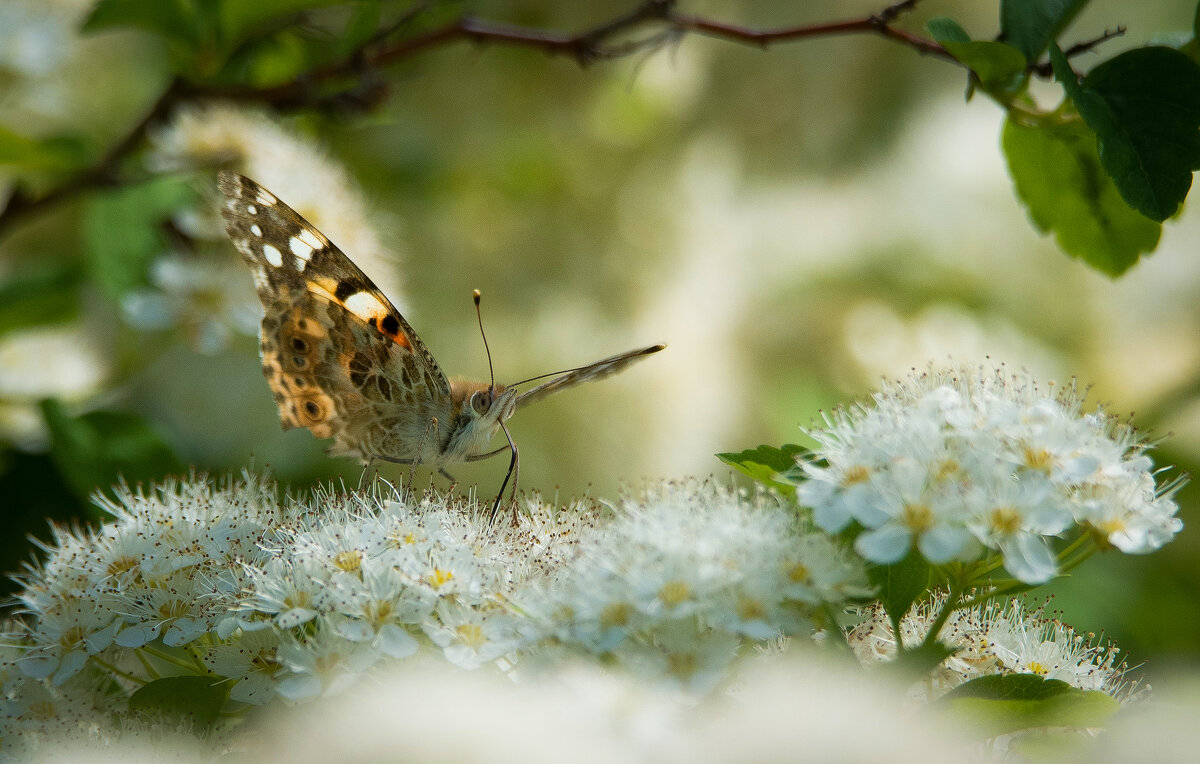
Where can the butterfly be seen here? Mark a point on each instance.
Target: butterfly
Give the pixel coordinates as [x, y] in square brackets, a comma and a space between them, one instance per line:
[341, 361]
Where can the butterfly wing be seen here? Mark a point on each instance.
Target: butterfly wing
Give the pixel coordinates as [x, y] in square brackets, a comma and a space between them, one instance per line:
[339, 358]
[597, 370]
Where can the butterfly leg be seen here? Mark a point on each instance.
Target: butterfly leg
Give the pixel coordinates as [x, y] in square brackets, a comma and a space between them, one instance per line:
[453, 480]
[433, 423]
[363, 479]
[514, 472]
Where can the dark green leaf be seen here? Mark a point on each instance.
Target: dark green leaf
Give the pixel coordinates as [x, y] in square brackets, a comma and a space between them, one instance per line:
[1030, 25]
[123, 230]
[767, 464]
[198, 699]
[1144, 106]
[1058, 176]
[45, 295]
[997, 705]
[98, 449]
[918, 660]
[900, 584]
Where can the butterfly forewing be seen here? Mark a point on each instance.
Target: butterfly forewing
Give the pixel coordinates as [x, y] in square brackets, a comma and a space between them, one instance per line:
[339, 358]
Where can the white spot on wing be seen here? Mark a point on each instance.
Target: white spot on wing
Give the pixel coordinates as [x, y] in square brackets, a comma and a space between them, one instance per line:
[260, 279]
[250, 208]
[301, 249]
[273, 255]
[254, 229]
[262, 197]
[311, 239]
[365, 305]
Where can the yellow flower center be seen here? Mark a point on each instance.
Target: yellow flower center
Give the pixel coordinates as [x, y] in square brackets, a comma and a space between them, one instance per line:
[917, 516]
[674, 593]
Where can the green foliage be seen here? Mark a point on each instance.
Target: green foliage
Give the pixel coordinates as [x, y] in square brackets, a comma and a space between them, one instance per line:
[28, 154]
[999, 67]
[44, 294]
[998, 705]
[1058, 176]
[901, 584]
[1144, 106]
[1030, 25]
[196, 700]
[123, 230]
[767, 465]
[101, 448]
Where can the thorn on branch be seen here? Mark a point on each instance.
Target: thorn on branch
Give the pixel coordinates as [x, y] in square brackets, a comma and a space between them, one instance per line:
[1046, 69]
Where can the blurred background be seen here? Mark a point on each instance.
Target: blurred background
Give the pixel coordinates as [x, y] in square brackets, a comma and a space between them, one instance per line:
[795, 224]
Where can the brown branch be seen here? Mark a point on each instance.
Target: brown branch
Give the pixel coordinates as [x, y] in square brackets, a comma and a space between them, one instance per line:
[612, 39]
[104, 173]
[1045, 69]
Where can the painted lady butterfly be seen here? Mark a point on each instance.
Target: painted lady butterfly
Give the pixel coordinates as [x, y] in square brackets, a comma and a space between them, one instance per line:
[343, 362]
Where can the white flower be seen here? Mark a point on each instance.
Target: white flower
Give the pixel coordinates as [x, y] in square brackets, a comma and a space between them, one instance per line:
[954, 461]
[993, 639]
[250, 660]
[689, 569]
[320, 664]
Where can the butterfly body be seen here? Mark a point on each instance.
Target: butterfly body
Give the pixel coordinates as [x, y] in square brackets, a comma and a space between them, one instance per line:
[341, 361]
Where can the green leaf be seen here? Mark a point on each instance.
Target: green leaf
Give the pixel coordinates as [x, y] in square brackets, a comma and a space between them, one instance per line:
[1144, 106]
[123, 231]
[1058, 176]
[767, 464]
[901, 584]
[98, 449]
[47, 294]
[198, 699]
[55, 154]
[174, 20]
[999, 67]
[1030, 25]
[240, 19]
[945, 29]
[997, 705]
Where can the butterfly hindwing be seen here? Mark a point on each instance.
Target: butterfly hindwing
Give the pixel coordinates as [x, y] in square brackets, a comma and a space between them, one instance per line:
[339, 358]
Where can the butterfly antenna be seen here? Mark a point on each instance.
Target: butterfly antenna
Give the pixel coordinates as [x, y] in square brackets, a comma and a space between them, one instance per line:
[482, 333]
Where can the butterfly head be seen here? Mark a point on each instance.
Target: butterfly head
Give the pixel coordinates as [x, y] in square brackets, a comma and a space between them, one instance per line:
[481, 407]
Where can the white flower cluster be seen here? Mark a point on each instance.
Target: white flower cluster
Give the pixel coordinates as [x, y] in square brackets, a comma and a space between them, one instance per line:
[686, 574]
[995, 639]
[298, 599]
[954, 462]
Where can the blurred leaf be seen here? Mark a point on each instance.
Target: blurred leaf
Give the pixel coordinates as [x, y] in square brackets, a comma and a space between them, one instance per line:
[57, 153]
[1030, 25]
[174, 20]
[122, 230]
[997, 705]
[195, 699]
[239, 19]
[900, 584]
[96, 450]
[34, 492]
[1058, 176]
[918, 660]
[46, 295]
[278, 59]
[767, 464]
[1145, 108]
